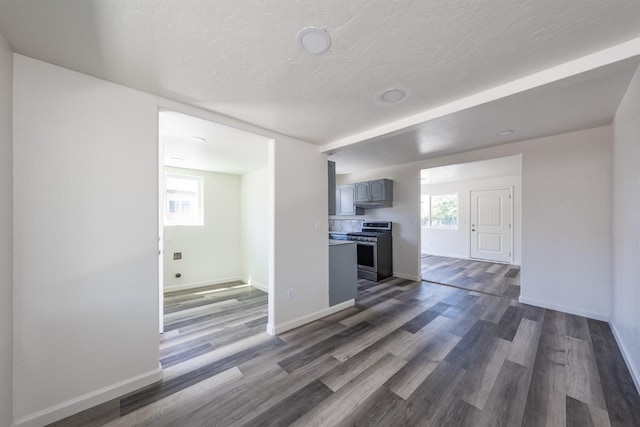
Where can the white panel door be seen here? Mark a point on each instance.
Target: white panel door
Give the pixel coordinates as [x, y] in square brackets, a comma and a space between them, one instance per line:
[491, 225]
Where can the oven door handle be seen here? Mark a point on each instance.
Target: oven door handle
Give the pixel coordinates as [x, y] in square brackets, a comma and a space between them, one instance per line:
[367, 243]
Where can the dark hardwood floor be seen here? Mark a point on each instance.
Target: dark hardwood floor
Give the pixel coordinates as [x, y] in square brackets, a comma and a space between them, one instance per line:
[482, 276]
[408, 354]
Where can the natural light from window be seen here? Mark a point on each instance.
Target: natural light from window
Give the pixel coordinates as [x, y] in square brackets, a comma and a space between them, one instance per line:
[183, 200]
[439, 211]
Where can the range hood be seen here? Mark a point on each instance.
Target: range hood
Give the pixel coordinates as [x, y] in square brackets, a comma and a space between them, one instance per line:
[374, 194]
[372, 205]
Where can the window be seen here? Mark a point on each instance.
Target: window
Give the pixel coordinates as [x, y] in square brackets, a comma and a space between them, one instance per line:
[439, 211]
[183, 200]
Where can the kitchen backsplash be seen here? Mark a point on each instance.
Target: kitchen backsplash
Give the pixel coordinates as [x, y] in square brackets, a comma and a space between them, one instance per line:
[347, 225]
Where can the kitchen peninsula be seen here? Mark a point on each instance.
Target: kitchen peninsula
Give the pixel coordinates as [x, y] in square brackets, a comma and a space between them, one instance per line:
[343, 273]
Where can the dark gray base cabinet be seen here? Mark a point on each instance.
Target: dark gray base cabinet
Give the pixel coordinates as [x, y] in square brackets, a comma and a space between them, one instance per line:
[343, 273]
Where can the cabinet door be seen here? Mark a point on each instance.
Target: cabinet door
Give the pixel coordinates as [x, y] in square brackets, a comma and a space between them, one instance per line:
[377, 189]
[362, 192]
[332, 187]
[346, 194]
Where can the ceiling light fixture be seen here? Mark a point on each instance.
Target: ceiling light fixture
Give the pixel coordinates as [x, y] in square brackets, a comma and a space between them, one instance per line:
[314, 40]
[392, 95]
[506, 132]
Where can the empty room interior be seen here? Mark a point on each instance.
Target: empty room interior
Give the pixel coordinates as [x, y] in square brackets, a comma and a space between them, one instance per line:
[372, 213]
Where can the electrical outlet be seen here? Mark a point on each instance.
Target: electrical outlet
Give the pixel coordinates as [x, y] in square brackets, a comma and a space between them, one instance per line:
[290, 294]
[177, 256]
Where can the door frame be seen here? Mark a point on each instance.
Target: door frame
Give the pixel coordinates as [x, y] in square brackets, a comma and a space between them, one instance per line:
[511, 227]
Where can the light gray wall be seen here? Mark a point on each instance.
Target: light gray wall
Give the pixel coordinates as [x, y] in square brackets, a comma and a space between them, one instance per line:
[566, 215]
[625, 318]
[300, 254]
[6, 232]
[565, 212]
[254, 230]
[85, 254]
[210, 252]
[86, 237]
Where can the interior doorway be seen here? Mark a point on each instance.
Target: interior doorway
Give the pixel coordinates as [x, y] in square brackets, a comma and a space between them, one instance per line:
[470, 225]
[213, 217]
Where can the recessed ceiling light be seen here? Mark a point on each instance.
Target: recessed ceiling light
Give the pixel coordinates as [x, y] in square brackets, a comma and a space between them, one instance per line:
[314, 40]
[392, 95]
[506, 132]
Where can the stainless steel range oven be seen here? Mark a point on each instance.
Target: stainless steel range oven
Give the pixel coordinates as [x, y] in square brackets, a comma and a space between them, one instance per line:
[374, 250]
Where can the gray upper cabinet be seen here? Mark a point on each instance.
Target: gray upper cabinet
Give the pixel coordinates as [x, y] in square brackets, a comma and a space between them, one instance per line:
[345, 198]
[332, 187]
[381, 189]
[374, 194]
[362, 191]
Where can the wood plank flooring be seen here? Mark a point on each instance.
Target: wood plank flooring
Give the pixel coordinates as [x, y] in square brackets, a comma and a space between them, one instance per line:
[481, 276]
[408, 354]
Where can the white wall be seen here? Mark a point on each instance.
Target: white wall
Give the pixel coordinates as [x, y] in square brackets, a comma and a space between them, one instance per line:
[211, 252]
[625, 318]
[254, 229]
[455, 242]
[6, 232]
[565, 248]
[85, 266]
[300, 253]
[566, 223]
[85, 252]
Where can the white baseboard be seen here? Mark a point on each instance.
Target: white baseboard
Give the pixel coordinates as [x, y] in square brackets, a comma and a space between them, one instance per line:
[89, 400]
[565, 309]
[626, 355]
[292, 324]
[406, 276]
[258, 285]
[184, 286]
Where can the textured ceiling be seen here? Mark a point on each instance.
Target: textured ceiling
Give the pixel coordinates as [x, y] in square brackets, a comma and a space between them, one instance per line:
[240, 58]
[583, 101]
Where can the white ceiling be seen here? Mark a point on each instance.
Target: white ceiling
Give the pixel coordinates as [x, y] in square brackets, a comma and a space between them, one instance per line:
[240, 58]
[502, 166]
[580, 102]
[224, 149]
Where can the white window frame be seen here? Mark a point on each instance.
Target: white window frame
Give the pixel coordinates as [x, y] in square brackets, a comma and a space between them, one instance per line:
[197, 217]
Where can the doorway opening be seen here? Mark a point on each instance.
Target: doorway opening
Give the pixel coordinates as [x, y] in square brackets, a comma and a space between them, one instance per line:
[214, 198]
[470, 225]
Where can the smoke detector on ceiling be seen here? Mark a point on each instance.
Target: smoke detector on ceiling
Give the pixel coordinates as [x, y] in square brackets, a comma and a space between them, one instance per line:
[392, 95]
[314, 40]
